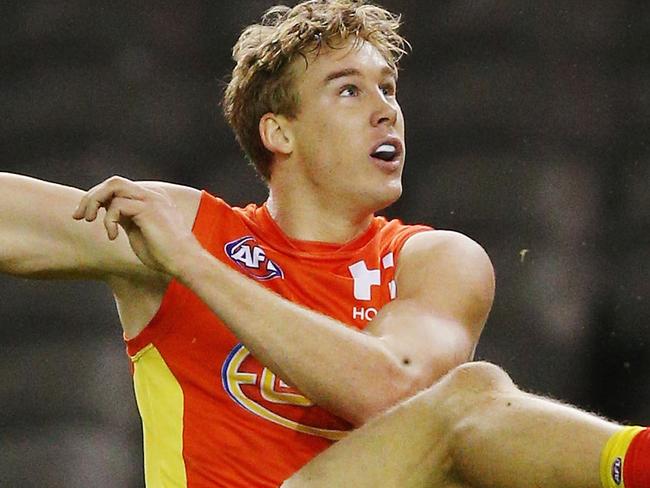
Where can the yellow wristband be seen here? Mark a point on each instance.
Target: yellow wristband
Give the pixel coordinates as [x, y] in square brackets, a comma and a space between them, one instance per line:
[613, 457]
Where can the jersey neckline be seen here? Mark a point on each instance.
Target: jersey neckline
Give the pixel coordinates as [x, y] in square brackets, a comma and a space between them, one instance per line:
[273, 235]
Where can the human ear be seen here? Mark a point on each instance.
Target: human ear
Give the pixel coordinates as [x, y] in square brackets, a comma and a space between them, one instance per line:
[275, 134]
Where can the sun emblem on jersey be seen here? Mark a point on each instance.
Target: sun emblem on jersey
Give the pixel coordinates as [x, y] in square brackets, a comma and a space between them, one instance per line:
[251, 257]
[256, 389]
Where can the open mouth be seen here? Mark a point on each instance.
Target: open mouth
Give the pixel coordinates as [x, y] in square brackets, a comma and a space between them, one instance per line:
[386, 152]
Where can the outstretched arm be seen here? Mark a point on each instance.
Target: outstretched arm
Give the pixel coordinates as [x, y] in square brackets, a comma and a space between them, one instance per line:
[431, 327]
[38, 239]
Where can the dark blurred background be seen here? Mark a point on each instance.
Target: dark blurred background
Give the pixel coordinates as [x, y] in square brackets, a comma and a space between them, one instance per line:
[527, 128]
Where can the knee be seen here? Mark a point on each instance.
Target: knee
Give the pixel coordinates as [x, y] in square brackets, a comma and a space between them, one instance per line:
[478, 378]
[480, 393]
[468, 389]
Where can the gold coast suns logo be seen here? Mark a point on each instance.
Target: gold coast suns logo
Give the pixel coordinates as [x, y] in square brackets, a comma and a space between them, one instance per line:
[256, 389]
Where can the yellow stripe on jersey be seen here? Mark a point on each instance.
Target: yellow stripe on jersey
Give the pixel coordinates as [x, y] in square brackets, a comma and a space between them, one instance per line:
[160, 401]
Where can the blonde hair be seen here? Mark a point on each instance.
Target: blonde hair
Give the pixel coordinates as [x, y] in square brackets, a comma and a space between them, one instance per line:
[261, 80]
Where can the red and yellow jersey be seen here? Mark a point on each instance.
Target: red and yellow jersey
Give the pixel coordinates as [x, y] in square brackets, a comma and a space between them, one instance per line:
[212, 415]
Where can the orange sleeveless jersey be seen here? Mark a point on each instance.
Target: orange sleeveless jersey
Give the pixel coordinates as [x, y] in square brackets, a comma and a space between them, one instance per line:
[212, 415]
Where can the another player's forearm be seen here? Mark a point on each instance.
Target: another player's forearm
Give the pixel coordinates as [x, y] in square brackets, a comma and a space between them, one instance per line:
[347, 372]
[26, 238]
[38, 239]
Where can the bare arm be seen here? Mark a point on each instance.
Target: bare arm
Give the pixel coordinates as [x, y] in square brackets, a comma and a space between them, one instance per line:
[445, 284]
[39, 238]
[445, 288]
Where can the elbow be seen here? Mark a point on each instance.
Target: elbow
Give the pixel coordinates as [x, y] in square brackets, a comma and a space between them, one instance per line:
[362, 414]
[396, 384]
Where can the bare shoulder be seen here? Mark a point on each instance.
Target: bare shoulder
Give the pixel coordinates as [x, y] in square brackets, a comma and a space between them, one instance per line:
[438, 245]
[445, 288]
[186, 198]
[448, 270]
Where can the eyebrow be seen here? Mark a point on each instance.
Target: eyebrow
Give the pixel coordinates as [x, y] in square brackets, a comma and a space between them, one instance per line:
[387, 70]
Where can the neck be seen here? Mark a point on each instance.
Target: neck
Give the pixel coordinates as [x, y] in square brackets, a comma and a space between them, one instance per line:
[307, 218]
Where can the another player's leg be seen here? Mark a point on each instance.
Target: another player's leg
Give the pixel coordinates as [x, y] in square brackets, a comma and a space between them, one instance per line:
[473, 428]
[406, 447]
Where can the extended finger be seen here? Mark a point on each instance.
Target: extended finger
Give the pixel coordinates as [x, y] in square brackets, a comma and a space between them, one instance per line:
[98, 196]
[83, 209]
[119, 210]
[112, 219]
[102, 195]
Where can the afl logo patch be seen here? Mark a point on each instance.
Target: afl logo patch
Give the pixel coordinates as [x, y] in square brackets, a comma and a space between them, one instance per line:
[251, 257]
[617, 471]
[256, 389]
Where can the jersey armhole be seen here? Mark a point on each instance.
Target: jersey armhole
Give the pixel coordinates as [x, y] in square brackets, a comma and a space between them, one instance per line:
[175, 294]
[404, 235]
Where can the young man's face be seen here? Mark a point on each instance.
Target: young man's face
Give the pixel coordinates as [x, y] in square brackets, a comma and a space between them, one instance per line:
[349, 131]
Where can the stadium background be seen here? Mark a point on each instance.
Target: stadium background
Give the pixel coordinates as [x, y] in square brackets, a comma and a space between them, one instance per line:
[527, 129]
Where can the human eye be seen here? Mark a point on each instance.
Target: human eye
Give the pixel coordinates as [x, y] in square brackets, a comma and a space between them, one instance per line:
[349, 91]
[389, 89]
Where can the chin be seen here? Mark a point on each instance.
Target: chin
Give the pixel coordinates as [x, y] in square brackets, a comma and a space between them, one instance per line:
[393, 198]
[389, 195]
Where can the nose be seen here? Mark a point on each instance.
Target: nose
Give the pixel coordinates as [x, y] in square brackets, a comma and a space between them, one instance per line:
[384, 110]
